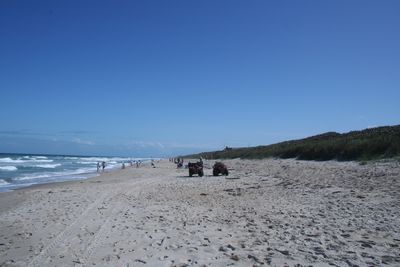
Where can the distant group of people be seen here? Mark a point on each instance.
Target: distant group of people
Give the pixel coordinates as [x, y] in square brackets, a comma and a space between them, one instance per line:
[177, 161]
[101, 165]
[137, 163]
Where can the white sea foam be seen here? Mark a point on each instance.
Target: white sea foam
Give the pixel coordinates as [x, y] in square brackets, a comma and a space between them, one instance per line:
[47, 166]
[26, 160]
[88, 162]
[40, 160]
[10, 160]
[3, 182]
[33, 177]
[56, 174]
[96, 159]
[8, 168]
[40, 157]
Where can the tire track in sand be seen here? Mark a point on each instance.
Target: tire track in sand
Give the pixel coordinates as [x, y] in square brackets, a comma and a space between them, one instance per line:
[104, 230]
[59, 239]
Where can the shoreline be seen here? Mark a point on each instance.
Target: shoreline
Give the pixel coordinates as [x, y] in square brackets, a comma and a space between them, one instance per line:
[42, 186]
[56, 184]
[22, 170]
[272, 212]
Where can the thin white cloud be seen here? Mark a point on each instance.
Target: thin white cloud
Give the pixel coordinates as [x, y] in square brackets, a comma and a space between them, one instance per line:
[197, 146]
[145, 144]
[168, 145]
[83, 142]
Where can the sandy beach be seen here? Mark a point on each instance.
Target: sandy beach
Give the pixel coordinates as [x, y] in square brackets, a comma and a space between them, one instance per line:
[266, 212]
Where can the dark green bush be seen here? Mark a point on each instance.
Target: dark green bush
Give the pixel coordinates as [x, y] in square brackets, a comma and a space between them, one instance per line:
[373, 143]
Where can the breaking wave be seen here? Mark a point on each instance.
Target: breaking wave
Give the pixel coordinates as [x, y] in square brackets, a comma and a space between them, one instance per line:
[47, 166]
[8, 168]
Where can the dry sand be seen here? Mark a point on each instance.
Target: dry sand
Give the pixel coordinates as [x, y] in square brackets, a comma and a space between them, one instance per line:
[270, 212]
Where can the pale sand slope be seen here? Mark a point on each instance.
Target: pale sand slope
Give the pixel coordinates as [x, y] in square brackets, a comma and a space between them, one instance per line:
[279, 212]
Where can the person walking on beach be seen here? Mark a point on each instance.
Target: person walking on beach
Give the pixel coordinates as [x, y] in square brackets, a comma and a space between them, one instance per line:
[98, 166]
[103, 165]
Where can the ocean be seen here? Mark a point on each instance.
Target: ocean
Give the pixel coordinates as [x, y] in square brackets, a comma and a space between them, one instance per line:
[21, 170]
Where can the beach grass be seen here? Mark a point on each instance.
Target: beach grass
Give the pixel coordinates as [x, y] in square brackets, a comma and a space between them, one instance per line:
[368, 144]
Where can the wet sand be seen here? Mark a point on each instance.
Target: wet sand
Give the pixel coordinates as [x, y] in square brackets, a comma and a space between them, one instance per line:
[267, 213]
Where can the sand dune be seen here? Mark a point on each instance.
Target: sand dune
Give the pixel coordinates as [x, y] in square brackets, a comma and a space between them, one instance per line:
[270, 212]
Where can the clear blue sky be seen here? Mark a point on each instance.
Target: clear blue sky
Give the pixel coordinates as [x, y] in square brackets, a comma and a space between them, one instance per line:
[156, 78]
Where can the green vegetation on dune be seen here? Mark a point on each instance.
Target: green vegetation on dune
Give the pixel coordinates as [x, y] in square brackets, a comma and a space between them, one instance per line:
[368, 144]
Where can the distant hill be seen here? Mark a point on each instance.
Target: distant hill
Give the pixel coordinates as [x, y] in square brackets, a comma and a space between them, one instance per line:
[368, 144]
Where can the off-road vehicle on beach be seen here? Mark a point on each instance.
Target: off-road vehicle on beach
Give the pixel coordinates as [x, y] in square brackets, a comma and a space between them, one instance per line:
[196, 168]
[220, 168]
